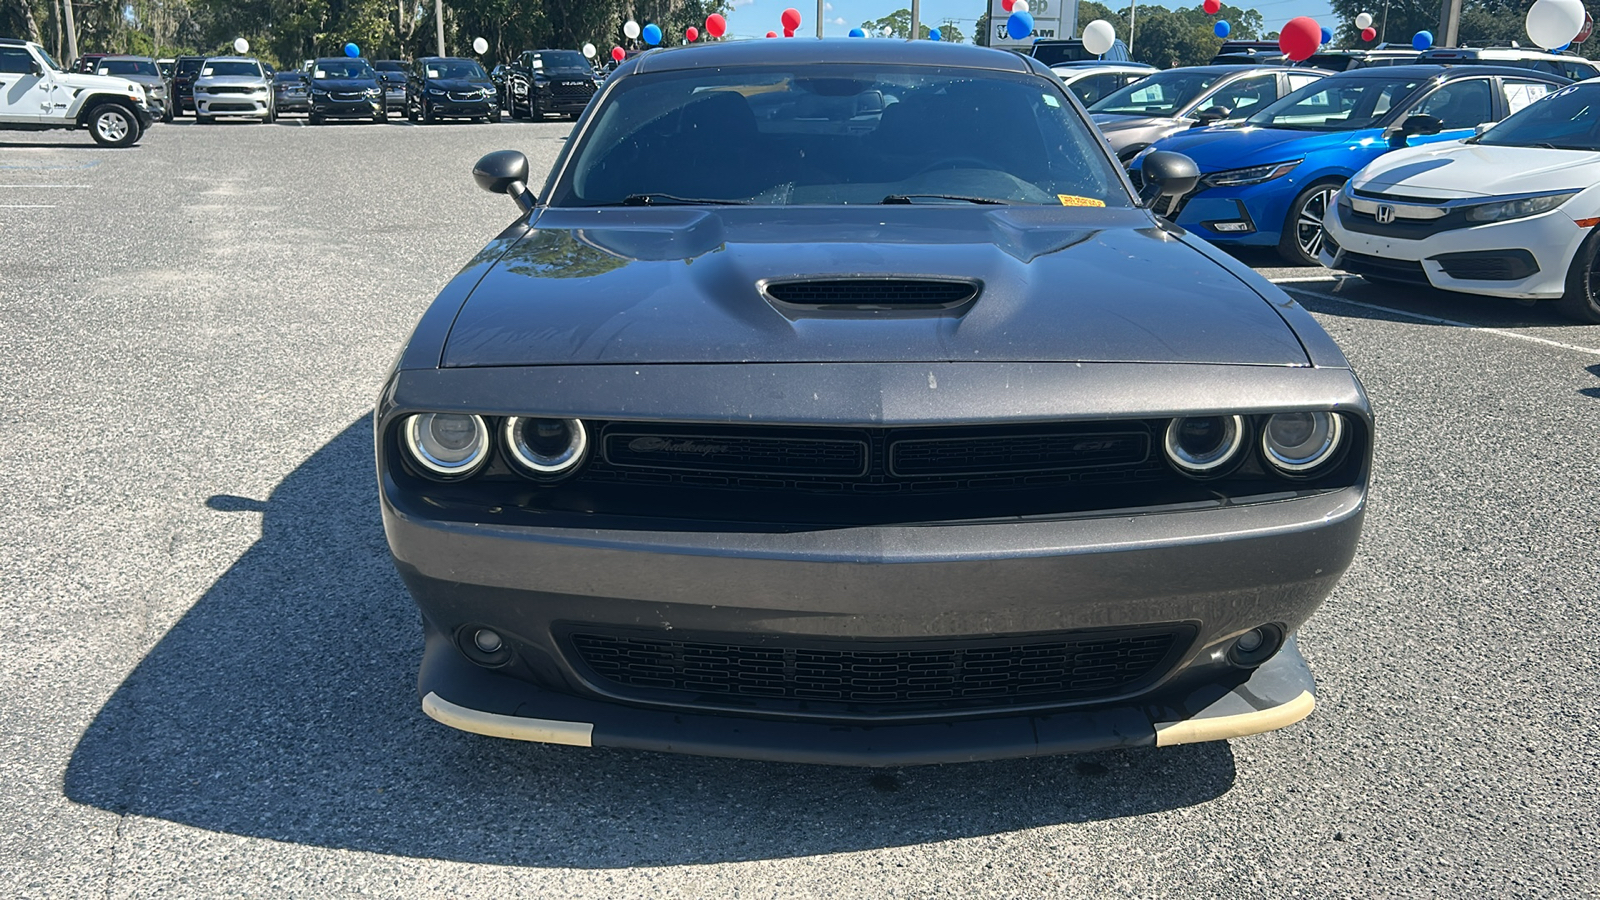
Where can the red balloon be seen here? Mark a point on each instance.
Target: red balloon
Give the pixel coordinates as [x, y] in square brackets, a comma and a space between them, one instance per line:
[1212, 7]
[617, 53]
[788, 32]
[1006, 4]
[716, 25]
[791, 18]
[692, 33]
[1300, 38]
[772, 34]
[1369, 34]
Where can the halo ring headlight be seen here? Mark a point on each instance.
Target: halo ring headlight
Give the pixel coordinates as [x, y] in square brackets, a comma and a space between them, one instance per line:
[545, 447]
[1204, 446]
[1297, 443]
[446, 445]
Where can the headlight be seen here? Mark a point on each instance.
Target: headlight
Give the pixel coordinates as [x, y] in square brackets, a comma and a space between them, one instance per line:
[445, 444]
[436, 92]
[1205, 446]
[1517, 209]
[318, 92]
[1297, 443]
[1251, 175]
[371, 92]
[545, 447]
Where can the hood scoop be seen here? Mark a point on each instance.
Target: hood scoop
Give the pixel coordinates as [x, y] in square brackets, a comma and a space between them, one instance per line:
[870, 298]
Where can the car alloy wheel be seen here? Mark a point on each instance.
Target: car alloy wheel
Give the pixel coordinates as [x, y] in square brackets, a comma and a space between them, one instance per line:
[113, 126]
[1303, 233]
[1582, 298]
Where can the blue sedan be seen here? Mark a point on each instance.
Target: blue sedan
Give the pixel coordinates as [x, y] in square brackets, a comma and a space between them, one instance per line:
[1268, 182]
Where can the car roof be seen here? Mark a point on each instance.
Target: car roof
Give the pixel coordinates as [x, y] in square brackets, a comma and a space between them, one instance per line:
[122, 56]
[1448, 73]
[836, 50]
[233, 59]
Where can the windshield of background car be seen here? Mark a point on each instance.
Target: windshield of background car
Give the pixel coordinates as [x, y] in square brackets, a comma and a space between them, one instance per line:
[288, 77]
[343, 68]
[457, 69]
[221, 68]
[1162, 94]
[126, 67]
[1337, 103]
[1566, 120]
[564, 60]
[839, 134]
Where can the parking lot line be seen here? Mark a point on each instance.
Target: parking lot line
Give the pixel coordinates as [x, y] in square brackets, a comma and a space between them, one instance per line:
[26, 186]
[27, 206]
[1436, 320]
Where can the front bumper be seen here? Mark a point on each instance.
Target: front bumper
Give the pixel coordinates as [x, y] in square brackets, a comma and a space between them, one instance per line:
[347, 109]
[1249, 215]
[1551, 239]
[247, 105]
[444, 107]
[290, 103]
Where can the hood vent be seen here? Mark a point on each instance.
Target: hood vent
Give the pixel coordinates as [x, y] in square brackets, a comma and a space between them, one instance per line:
[871, 297]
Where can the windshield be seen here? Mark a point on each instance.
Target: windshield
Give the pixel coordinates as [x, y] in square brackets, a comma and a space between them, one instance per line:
[343, 68]
[127, 67]
[1566, 120]
[46, 57]
[1338, 103]
[282, 77]
[1162, 94]
[224, 68]
[839, 134]
[557, 59]
[464, 69]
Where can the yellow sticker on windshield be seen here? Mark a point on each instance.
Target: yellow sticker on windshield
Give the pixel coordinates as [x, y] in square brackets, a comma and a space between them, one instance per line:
[1074, 200]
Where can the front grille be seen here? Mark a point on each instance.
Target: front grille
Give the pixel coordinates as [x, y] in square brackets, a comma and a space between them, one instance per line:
[857, 293]
[230, 89]
[867, 677]
[572, 92]
[737, 454]
[347, 96]
[463, 97]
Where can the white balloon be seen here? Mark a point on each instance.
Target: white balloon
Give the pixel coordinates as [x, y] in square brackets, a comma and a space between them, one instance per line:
[1020, 6]
[588, 51]
[1554, 23]
[240, 45]
[479, 45]
[887, 31]
[1098, 36]
[631, 29]
[1364, 20]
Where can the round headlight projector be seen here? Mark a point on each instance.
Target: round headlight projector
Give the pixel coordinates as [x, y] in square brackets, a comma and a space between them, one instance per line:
[545, 447]
[1297, 443]
[1205, 445]
[447, 445]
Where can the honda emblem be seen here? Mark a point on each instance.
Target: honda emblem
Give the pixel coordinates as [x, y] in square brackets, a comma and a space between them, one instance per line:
[1384, 214]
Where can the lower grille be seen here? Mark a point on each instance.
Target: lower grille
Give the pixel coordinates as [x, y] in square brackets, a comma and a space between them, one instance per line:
[865, 677]
[347, 96]
[1405, 270]
[230, 89]
[1492, 265]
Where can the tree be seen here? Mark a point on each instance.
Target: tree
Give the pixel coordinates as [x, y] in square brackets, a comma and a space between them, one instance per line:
[1175, 37]
[1482, 22]
[899, 25]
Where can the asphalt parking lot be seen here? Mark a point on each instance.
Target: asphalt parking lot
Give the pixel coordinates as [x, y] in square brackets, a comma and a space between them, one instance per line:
[209, 665]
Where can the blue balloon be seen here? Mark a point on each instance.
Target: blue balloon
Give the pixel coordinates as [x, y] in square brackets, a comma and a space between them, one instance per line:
[1221, 29]
[1020, 25]
[1422, 41]
[1326, 35]
[934, 35]
[856, 32]
[651, 34]
[352, 50]
[1560, 48]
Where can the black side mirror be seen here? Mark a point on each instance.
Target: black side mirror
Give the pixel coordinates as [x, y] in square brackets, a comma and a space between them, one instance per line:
[1419, 124]
[505, 172]
[1167, 174]
[1213, 115]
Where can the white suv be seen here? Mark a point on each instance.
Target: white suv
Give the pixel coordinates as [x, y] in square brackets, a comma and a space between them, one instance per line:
[36, 94]
[233, 86]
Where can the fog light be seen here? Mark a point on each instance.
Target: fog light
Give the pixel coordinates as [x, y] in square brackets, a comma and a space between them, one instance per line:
[487, 640]
[1255, 646]
[1204, 446]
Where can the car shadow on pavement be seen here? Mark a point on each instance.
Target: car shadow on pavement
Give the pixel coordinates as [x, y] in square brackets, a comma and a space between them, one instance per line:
[283, 706]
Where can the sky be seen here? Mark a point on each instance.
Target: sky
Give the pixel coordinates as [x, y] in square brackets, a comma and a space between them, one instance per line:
[754, 18]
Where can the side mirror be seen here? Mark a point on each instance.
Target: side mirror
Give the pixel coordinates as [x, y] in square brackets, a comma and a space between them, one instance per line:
[505, 172]
[1213, 115]
[1413, 125]
[1479, 129]
[1167, 174]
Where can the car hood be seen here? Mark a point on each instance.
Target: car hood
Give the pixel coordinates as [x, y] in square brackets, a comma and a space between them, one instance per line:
[458, 84]
[232, 81]
[343, 84]
[682, 285]
[1446, 171]
[1109, 123]
[149, 81]
[83, 82]
[1216, 149]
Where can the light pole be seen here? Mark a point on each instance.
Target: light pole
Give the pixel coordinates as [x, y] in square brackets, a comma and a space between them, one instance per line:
[72, 32]
[438, 15]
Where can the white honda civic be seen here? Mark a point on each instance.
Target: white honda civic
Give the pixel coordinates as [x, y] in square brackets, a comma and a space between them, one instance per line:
[1508, 213]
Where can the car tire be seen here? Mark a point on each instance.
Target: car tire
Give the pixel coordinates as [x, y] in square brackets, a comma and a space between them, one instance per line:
[411, 114]
[203, 120]
[1581, 302]
[314, 119]
[494, 117]
[112, 125]
[381, 117]
[166, 114]
[1303, 233]
[428, 118]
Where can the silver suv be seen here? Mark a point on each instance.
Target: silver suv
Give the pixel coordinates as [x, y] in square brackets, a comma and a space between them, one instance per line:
[1564, 64]
[233, 86]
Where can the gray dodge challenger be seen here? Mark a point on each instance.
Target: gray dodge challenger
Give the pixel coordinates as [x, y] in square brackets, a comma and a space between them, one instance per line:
[843, 402]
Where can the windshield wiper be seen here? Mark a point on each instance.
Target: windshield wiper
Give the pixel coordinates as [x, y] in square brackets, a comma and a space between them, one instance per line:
[671, 199]
[912, 198]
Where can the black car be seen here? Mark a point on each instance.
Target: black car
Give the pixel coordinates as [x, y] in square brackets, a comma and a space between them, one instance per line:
[905, 433]
[345, 87]
[446, 87]
[184, 71]
[292, 92]
[394, 90]
[548, 82]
